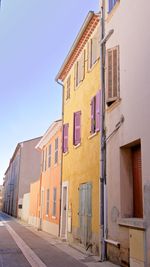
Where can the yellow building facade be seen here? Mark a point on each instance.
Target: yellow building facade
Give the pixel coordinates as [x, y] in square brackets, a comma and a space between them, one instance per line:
[80, 75]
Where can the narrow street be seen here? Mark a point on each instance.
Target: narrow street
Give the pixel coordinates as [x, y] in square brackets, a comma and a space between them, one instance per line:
[21, 247]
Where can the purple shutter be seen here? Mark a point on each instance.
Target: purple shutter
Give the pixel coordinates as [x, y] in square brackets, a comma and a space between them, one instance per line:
[65, 137]
[93, 115]
[77, 127]
[98, 108]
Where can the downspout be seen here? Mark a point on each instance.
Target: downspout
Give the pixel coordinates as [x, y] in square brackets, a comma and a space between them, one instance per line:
[61, 152]
[102, 138]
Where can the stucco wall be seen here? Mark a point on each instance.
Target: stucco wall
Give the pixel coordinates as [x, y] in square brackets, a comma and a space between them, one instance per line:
[30, 165]
[25, 207]
[81, 164]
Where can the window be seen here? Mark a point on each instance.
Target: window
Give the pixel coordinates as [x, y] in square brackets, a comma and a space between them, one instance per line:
[131, 181]
[47, 203]
[94, 49]
[56, 150]
[54, 202]
[111, 4]
[45, 159]
[68, 88]
[95, 112]
[77, 128]
[49, 155]
[65, 137]
[79, 70]
[112, 75]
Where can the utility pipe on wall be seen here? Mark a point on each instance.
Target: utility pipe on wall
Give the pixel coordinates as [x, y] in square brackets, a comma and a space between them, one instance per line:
[103, 137]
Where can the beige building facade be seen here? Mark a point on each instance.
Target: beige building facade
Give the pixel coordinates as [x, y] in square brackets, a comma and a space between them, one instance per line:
[24, 168]
[127, 80]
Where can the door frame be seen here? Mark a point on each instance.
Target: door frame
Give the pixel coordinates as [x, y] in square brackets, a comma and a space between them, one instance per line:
[64, 184]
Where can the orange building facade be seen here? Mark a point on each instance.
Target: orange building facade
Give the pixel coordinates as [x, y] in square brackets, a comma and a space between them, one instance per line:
[45, 193]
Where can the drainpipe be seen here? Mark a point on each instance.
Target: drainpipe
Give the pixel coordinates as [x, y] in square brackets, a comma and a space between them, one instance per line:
[60, 83]
[102, 139]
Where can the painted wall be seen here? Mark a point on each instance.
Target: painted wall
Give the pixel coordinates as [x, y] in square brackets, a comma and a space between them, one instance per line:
[130, 21]
[50, 179]
[81, 163]
[29, 165]
[34, 204]
[25, 207]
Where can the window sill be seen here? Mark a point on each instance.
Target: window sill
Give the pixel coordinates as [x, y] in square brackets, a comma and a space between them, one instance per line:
[90, 69]
[76, 146]
[92, 135]
[132, 223]
[67, 100]
[77, 86]
[66, 153]
[115, 104]
[112, 11]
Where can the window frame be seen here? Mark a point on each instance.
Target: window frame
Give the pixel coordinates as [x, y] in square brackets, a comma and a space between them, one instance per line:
[75, 128]
[111, 4]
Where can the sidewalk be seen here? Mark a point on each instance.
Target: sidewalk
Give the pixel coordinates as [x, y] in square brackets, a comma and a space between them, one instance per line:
[82, 256]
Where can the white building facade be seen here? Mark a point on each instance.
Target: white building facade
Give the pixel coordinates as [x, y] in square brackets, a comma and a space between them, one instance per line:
[127, 82]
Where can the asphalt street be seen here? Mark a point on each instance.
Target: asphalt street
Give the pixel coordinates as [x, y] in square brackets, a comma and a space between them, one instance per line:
[21, 246]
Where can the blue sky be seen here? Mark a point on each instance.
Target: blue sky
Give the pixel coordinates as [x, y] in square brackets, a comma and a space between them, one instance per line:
[35, 37]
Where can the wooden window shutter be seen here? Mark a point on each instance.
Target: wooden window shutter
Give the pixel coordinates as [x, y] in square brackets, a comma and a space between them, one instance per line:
[110, 78]
[89, 55]
[77, 128]
[115, 72]
[82, 66]
[75, 74]
[65, 137]
[137, 182]
[98, 105]
[68, 88]
[98, 43]
[93, 115]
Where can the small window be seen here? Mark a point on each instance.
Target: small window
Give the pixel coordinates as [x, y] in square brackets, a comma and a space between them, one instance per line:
[79, 70]
[111, 4]
[77, 128]
[54, 202]
[68, 87]
[94, 49]
[47, 203]
[113, 82]
[56, 150]
[95, 112]
[49, 155]
[65, 137]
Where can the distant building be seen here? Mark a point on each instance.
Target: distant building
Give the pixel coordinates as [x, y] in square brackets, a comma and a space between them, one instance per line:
[24, 168]
[1, 197]
[44, 211]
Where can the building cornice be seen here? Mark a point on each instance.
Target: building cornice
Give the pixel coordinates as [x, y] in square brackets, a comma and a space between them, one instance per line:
[83, 36]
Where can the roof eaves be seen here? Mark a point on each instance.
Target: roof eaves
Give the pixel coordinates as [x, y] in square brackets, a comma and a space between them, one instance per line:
[86, 22]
